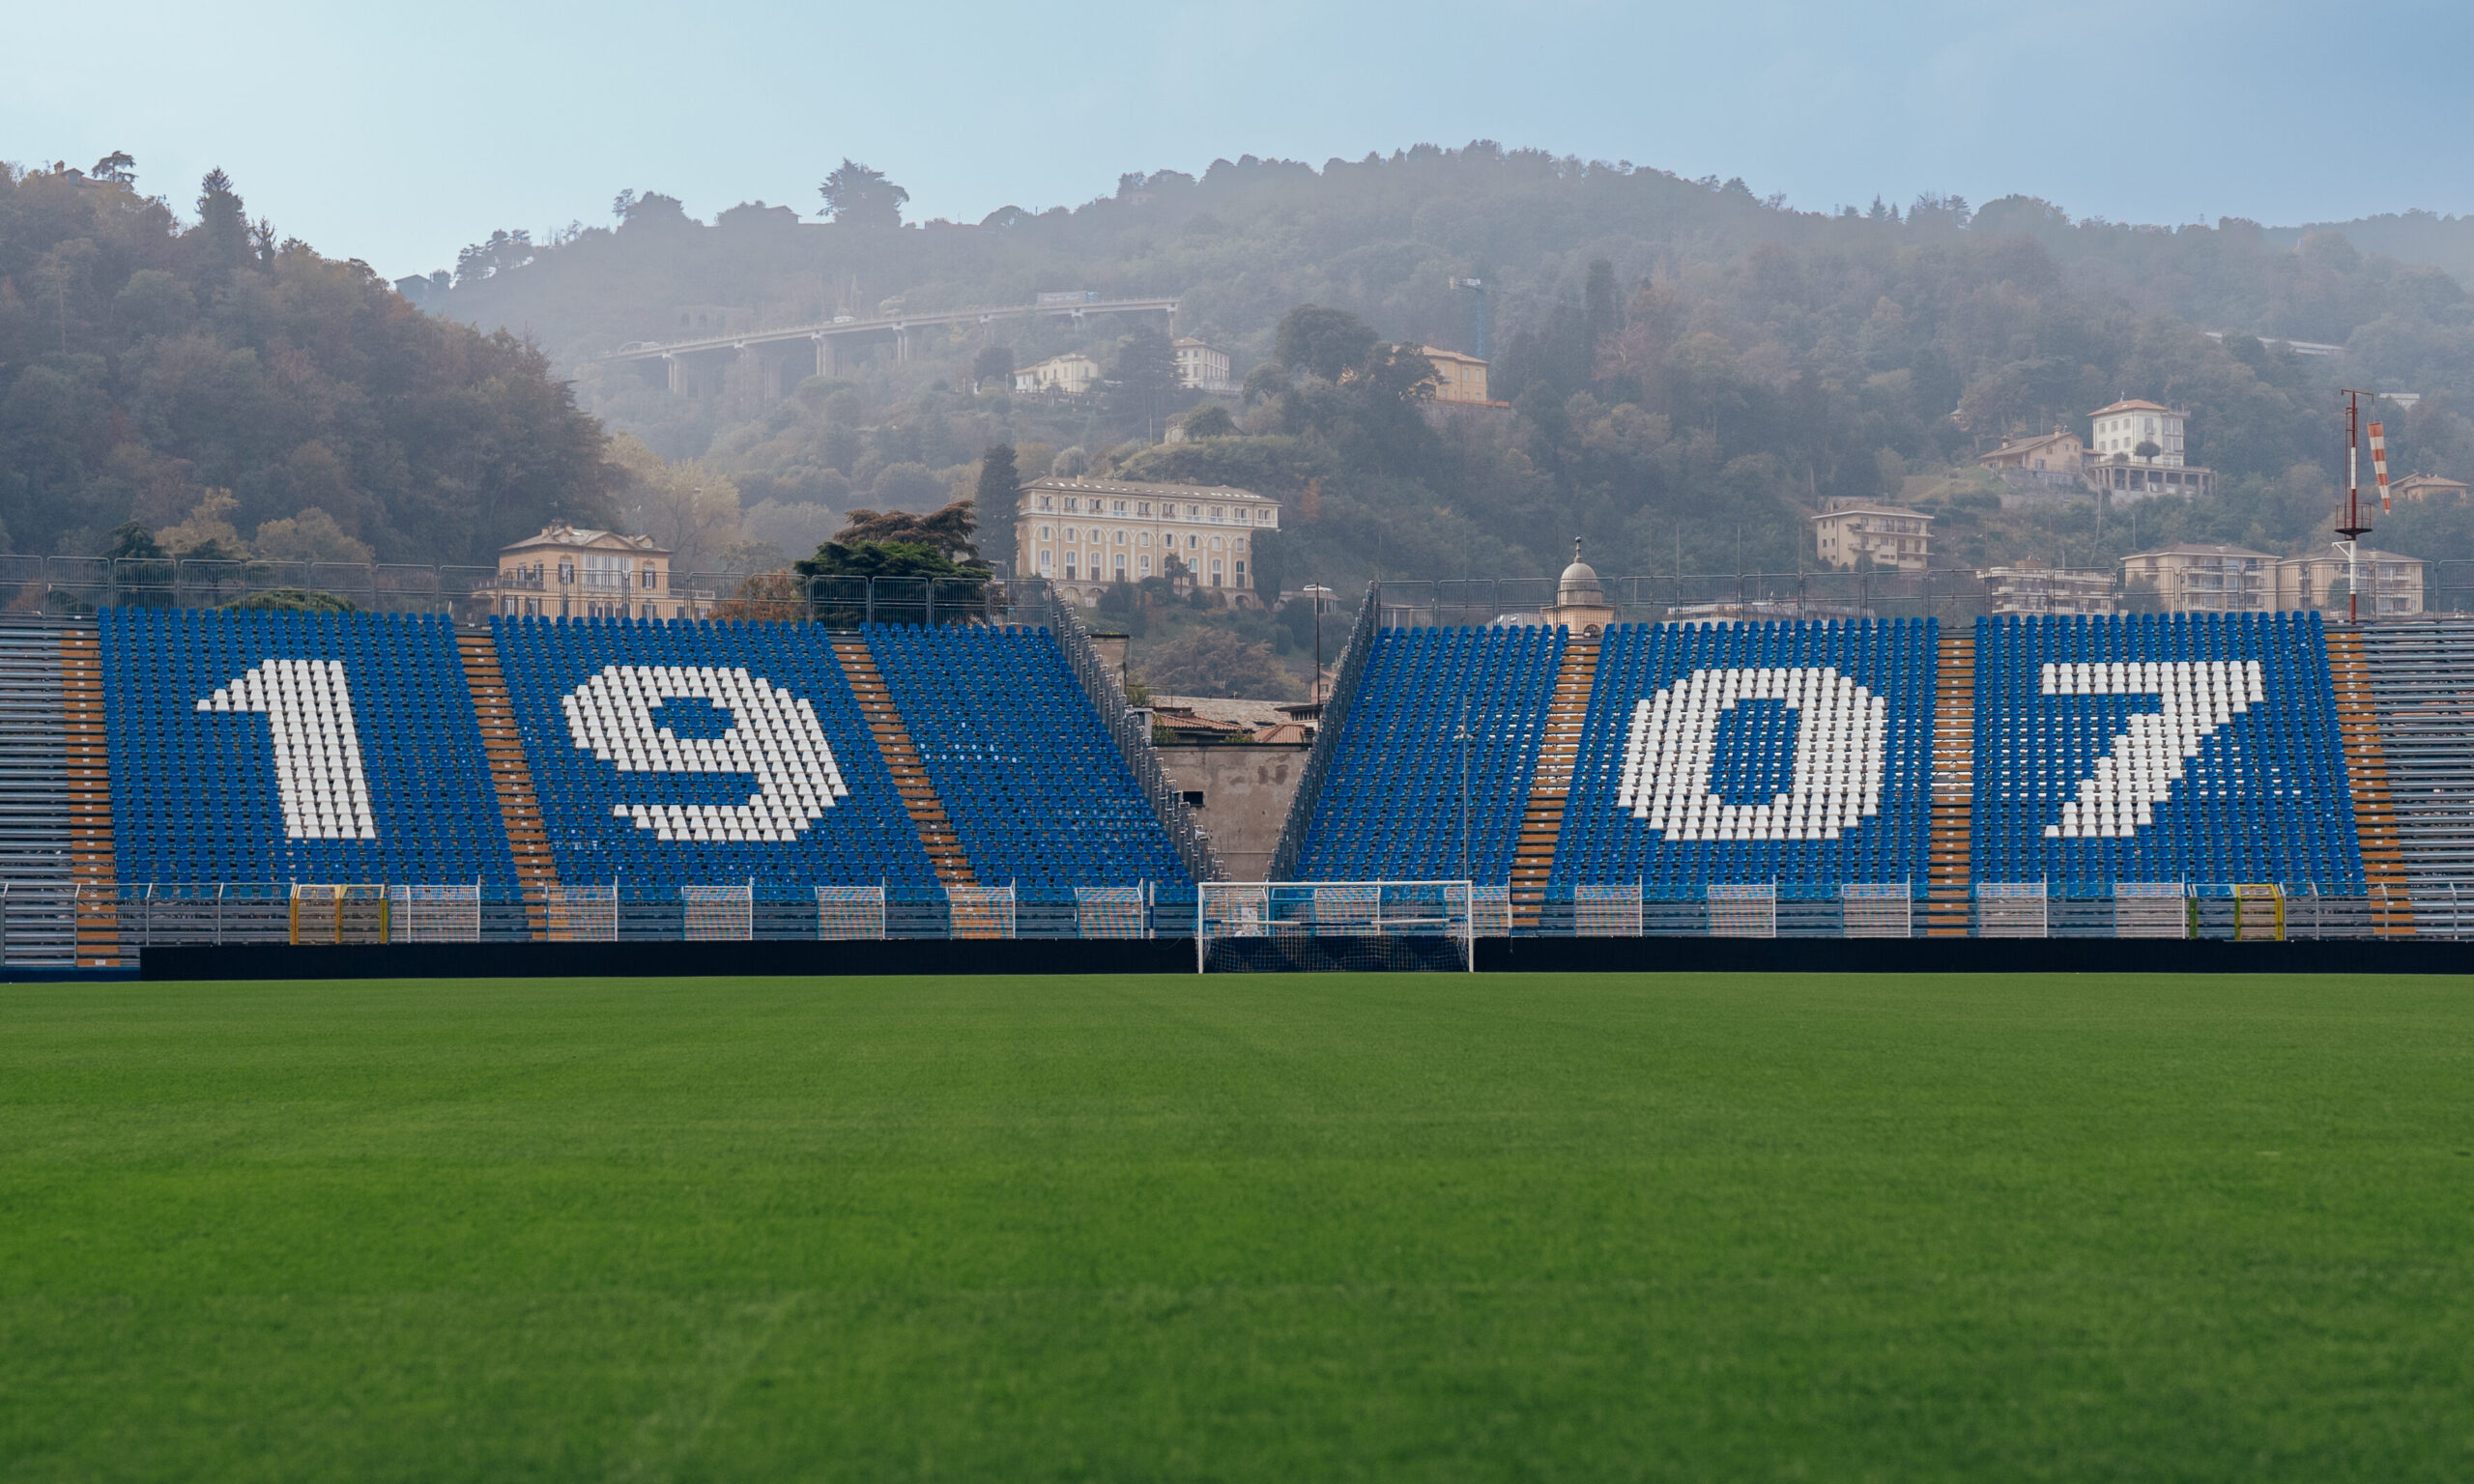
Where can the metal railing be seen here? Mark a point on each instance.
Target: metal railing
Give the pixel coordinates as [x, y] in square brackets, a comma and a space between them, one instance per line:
[1133, 737]
[1328, 726]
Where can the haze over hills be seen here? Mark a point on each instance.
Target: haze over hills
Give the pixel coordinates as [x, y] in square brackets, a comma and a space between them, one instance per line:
[1690, 369]
[1731, 365]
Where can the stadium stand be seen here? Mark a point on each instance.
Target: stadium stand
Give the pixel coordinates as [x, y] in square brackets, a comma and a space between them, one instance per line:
[281, 746]
[671, 754]
[1794, 753]
[2194, 748]
[2421, 689]
[1039, 796]
[1390, 808]
[38, 890]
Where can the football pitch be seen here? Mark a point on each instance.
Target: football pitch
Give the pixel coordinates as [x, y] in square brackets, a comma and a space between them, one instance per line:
[1283, 1228]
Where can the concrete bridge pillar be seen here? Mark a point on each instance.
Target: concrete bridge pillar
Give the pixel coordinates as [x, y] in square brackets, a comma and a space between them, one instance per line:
[678, 369]
[827, 364]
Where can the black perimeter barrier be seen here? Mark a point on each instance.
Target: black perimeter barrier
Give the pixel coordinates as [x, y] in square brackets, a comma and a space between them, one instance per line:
[1177, 955]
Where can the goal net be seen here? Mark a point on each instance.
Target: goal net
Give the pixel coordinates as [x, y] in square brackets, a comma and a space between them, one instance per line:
[2010, 909]
[1876, 909]
[981, 911]
[846, 913]
[2150, 910]
[437, 914]
[339, 914]
[717, 914]
[1745, 910]
[1243, 926]
[1112, 912]
[582, 914]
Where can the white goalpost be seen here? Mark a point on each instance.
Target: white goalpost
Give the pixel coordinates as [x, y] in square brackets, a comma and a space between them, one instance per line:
[1349, 924]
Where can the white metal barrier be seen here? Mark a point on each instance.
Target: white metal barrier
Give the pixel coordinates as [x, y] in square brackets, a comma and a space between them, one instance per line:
[2010, 909]
[981, 911]
[1113, 911]
[1743, 909]
[437, 914]
[1606, 911]
[582, 914]
[850, 913]
[2151, 909]
[717, 914]
[1490, 911]
[1877, 909]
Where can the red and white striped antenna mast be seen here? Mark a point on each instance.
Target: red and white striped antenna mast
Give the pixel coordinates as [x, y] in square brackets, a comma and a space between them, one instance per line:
[2353, 530]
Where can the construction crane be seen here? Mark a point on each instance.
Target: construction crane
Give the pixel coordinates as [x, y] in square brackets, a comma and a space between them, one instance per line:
[1480, 311]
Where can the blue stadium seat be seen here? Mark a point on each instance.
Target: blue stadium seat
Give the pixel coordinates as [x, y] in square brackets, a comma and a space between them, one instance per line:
[1040, 796]
[1391, 803]
[1797, 753]
[2201, 748]
[667, 754]
[274, 747]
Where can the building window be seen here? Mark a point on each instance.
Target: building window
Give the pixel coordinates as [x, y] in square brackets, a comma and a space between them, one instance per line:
[1118, 507]
[1120, 536]
[1120, 566]
[1142, 539]
[1215, 543]
[1046, 504]
[1069, 566]
[1241, 572]
[1045, 533]
[1146, 566]
[1142, 507]
[1048, 561]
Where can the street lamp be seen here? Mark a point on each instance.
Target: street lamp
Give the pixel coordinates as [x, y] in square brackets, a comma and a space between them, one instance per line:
[1314, 596]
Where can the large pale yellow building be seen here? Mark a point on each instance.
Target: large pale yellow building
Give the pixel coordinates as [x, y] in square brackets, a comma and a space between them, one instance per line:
[566, 572]
[2392, 585]
[1853, 535]
[2203, 578]
[1086, 534]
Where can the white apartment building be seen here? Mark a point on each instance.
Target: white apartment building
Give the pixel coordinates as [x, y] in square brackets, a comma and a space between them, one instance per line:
[1070, 375]
[1086, 534]
[2120, 429]
[2197, 579]
[1202, 366]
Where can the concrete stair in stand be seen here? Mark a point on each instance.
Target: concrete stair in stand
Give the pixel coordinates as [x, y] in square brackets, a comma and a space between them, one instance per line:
[536, 868]
[1949, 867]
[1550, 784]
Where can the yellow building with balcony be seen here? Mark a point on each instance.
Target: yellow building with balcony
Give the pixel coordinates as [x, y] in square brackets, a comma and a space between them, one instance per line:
[566, 572]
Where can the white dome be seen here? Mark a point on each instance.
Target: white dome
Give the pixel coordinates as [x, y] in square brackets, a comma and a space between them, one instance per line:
[1580, 574]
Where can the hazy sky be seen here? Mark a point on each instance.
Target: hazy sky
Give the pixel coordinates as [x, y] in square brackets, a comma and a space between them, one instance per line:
[399, 134]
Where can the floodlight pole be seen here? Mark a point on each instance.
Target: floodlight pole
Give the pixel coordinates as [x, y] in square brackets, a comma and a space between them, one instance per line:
[2353, 531]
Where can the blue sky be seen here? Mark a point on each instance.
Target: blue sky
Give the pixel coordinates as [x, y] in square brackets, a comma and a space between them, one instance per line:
[396, 135]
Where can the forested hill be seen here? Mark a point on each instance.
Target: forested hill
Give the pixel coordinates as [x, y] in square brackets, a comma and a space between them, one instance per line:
[1694, 368]
[238, 393]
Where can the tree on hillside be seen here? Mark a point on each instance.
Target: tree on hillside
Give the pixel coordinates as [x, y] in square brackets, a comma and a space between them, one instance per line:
[117, 168]
[856, 197]
[946, 532]
[1216, 662]
[1144, 389]
[1329, 343]
[998, 484]
[992, 366]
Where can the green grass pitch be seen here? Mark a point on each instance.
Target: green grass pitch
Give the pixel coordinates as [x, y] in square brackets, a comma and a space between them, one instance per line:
[1310, 1228]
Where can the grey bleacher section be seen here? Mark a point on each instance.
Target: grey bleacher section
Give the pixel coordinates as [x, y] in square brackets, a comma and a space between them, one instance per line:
[2422, 684]
[38, 893]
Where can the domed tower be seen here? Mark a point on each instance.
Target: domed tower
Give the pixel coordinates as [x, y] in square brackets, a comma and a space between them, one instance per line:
[1580, 602]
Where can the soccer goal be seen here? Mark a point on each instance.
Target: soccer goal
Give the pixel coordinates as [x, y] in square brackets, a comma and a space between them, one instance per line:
[1111, 911]
[582, 914]
[717, 914]
[340, 913]
[1876, 909]
[850, 913]
[437, 914]
[1242, 926]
